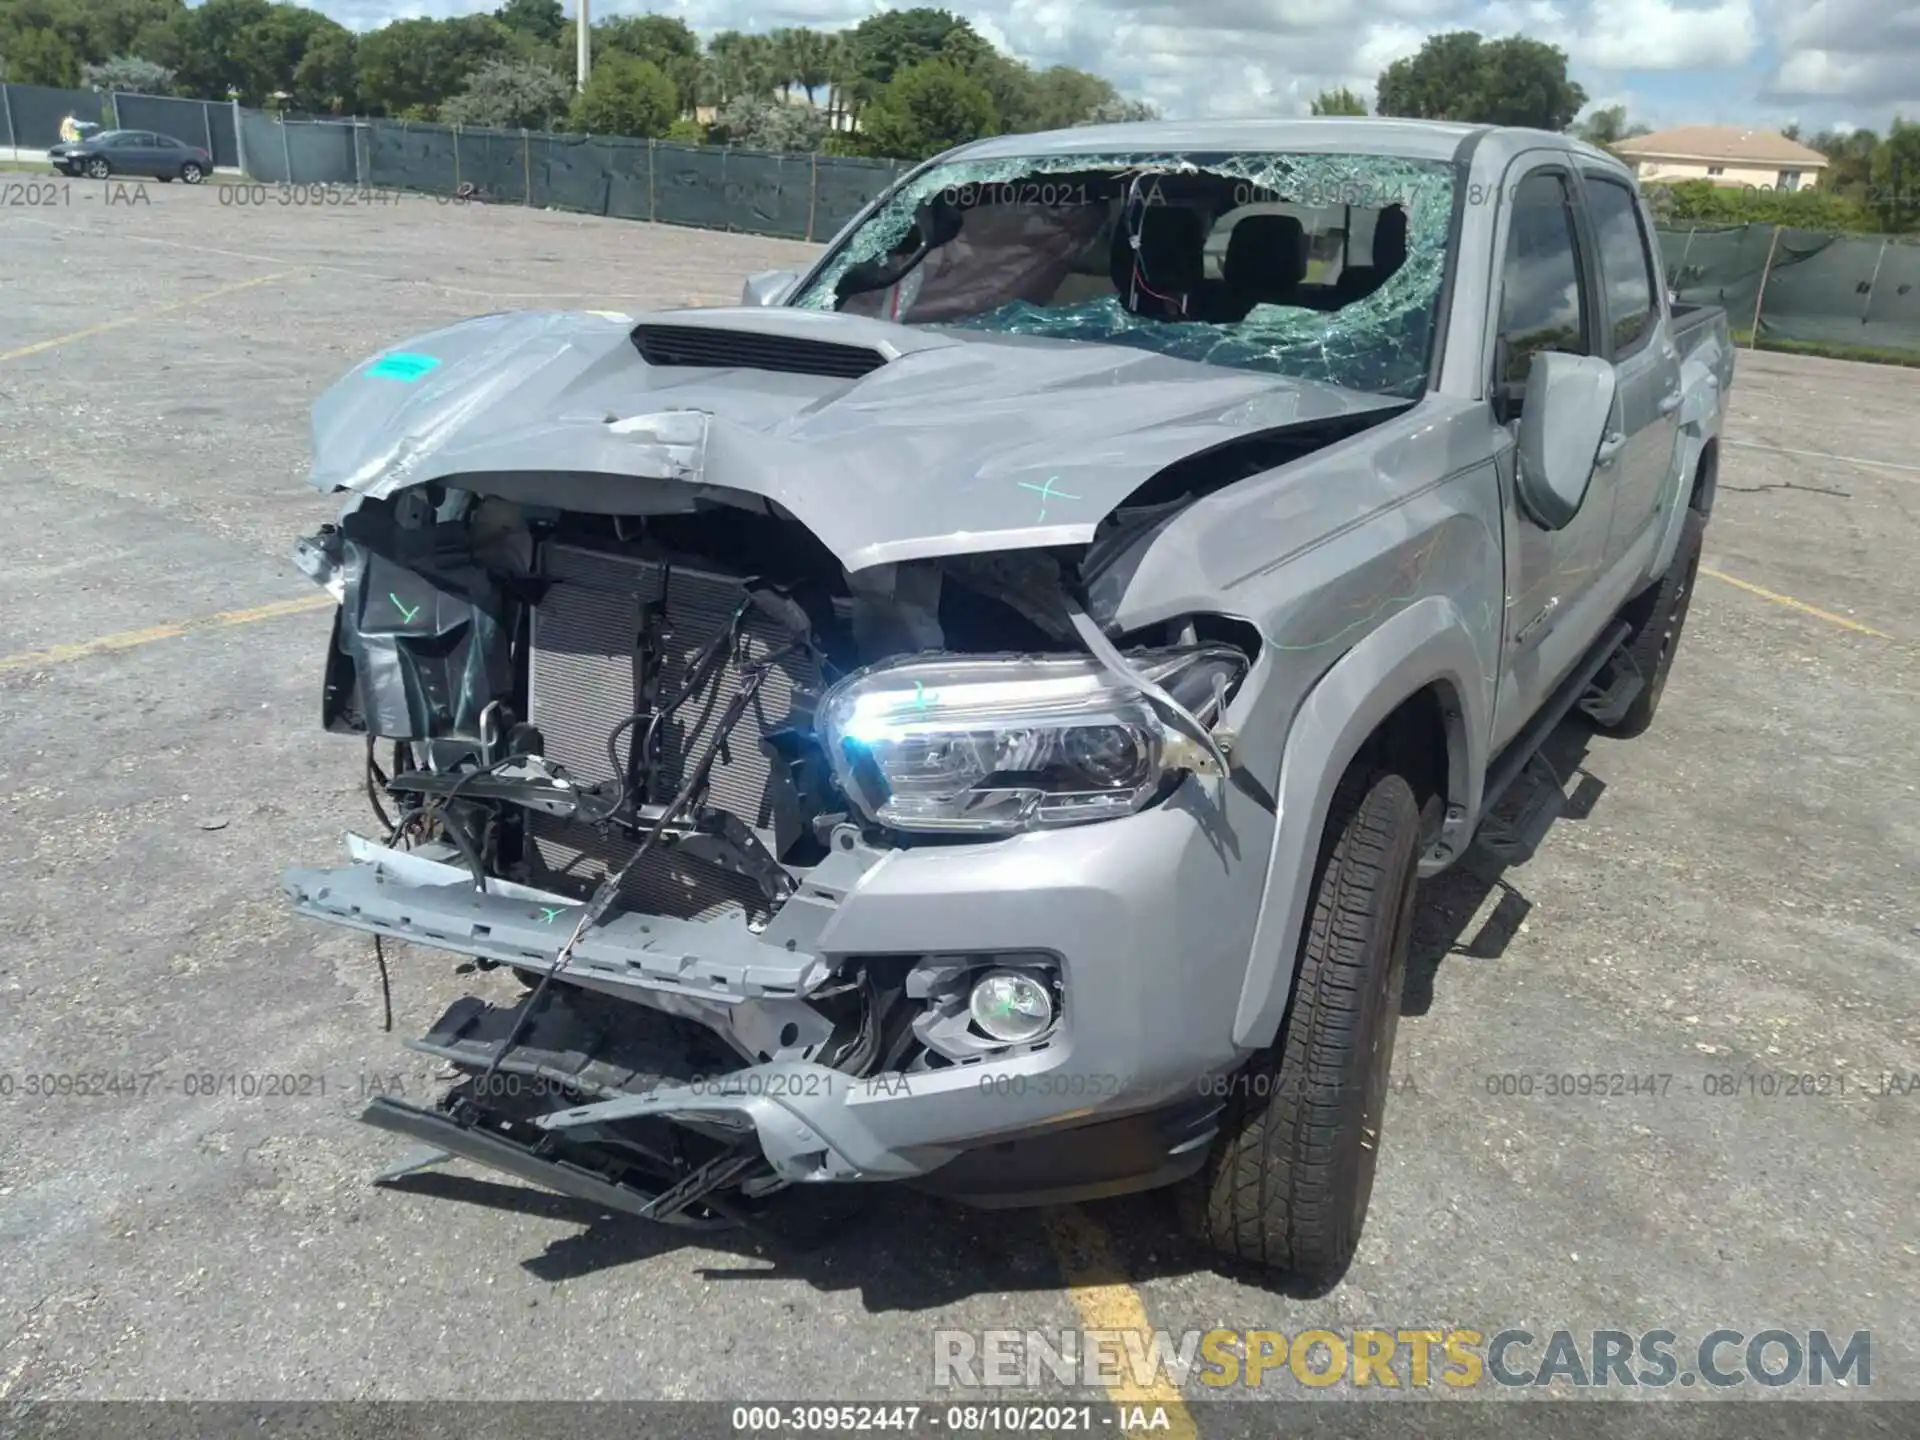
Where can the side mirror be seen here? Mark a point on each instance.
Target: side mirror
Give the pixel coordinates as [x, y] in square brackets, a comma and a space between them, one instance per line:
[1563, 421]
[768, 287]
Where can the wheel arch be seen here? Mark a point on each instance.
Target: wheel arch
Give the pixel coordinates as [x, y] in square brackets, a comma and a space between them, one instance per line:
[1411, 696]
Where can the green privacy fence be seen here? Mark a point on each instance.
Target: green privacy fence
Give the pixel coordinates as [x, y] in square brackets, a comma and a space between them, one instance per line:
[803, 197]
[1802, 287]
[30, 117]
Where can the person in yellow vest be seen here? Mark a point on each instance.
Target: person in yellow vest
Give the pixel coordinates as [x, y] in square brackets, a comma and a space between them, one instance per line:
[69, 130]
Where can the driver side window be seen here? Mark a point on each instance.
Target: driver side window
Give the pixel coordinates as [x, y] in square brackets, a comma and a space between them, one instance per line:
[1543, 294]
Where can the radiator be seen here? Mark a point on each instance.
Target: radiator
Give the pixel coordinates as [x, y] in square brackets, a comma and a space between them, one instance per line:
[587, 673]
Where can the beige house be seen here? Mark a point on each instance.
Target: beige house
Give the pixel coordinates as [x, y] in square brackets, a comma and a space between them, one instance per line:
[1724, 154]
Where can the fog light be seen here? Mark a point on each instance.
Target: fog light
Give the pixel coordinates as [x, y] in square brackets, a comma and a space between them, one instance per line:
[1011, 1007]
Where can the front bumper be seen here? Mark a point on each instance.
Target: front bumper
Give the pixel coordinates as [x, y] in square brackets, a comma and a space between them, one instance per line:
[1149, 918]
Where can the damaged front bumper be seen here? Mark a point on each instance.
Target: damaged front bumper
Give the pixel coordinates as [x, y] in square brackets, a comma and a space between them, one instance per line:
[1113, 1099]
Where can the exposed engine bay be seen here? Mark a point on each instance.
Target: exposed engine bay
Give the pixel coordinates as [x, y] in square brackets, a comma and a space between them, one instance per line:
[685, 720]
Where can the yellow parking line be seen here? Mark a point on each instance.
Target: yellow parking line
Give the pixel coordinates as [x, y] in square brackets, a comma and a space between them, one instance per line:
[1106, 1301]
[130, 639]
[125, 320]
[1800, 605]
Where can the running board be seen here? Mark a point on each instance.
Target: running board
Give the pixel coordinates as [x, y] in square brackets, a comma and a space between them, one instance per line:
[1513, 760]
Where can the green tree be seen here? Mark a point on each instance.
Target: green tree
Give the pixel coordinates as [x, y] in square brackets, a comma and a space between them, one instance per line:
[412, 66]
[1120, 112]
[741, 64]
[1608, 126]
[927, 108]
[1459, 76]
[539, 20]
[1338, 102]
[1851, 171]
[45, 42]
[1895, 177]
[1064, 96]
[38, 57]
[1014, 88]
[128, 73]
[324, 80]
[511, 95]
[804, 58]
[125, 27]
[1703, 202]
[625, 96]
[686, 131]
[243, 47]
[886, 43]
[663, 40]
[760, 122]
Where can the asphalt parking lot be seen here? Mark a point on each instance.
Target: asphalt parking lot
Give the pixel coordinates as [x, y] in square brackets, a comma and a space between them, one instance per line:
[1735, 895]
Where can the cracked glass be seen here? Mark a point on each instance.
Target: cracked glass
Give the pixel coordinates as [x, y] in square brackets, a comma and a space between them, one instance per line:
[1338, 278]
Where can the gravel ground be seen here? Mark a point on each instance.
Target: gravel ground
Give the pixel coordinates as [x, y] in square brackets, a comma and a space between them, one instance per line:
[1733, 894]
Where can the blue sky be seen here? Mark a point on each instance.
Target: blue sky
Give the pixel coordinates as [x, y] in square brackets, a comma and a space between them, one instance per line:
[1749, 62]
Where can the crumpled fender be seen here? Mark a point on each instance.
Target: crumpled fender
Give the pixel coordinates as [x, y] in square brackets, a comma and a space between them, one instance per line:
[1429, 641]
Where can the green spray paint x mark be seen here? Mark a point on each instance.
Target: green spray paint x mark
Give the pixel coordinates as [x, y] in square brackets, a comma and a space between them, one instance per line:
[402, 366]
[406, 615]
[551, 913]
[1046, 493]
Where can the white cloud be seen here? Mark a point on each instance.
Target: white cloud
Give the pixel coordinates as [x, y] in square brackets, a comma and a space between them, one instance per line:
[1657, 35]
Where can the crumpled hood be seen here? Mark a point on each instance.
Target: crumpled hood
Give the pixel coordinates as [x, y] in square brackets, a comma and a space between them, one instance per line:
[963, 442]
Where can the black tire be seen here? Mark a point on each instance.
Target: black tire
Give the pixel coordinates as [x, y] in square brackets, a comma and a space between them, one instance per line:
[191, 172]
[98, 168]
[165, 179]
[1290, 1175]
[1658, 615]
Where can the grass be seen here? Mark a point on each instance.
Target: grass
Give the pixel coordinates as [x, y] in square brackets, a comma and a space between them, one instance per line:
[1826, 350]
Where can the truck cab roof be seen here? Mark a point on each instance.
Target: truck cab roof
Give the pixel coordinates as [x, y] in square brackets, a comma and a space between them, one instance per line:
[1333, 134]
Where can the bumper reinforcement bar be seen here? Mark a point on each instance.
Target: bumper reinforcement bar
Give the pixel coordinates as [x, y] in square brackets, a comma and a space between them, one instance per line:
[449, 1138]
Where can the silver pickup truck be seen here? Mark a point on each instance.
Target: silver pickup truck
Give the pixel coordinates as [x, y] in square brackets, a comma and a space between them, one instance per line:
[973, 716]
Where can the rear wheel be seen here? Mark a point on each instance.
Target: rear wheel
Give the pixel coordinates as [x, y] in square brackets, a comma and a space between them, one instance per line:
[192, 173]
[1657, 617]
[1290, 1176]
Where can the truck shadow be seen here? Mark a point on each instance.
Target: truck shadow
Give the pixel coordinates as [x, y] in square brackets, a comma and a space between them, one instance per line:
[1557, 786]
[904, 1251]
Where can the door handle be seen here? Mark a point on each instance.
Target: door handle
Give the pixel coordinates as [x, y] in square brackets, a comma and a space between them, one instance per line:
[1670, 402]
[1609, 448]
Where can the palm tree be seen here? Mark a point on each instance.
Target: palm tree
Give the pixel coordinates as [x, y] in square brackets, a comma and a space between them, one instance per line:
[805, 58]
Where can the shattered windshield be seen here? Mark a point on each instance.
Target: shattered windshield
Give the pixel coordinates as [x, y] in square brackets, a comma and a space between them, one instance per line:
[1321, 267]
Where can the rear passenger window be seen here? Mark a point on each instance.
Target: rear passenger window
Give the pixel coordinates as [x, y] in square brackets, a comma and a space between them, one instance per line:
[1626, 266]
[1543, 304]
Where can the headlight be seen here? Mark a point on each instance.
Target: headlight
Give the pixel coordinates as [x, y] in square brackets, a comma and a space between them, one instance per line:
[1005, 745]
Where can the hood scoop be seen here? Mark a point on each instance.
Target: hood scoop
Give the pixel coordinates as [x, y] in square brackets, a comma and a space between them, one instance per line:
[712, 348]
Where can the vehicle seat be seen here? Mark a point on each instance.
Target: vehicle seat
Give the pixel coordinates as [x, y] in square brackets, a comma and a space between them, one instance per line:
[1171, 261]
[1357, 282]
[1266, 262]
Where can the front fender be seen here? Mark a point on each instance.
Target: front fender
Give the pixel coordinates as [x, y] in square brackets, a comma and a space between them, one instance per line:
[1428, 642]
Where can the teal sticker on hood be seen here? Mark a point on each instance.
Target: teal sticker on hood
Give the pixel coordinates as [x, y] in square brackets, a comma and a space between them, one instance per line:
[402, 366]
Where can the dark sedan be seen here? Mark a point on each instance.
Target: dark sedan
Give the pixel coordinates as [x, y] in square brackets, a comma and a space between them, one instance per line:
[132, 152]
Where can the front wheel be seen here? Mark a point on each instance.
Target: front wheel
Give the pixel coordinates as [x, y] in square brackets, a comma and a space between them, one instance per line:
[1290, 1175]
[98, 168]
